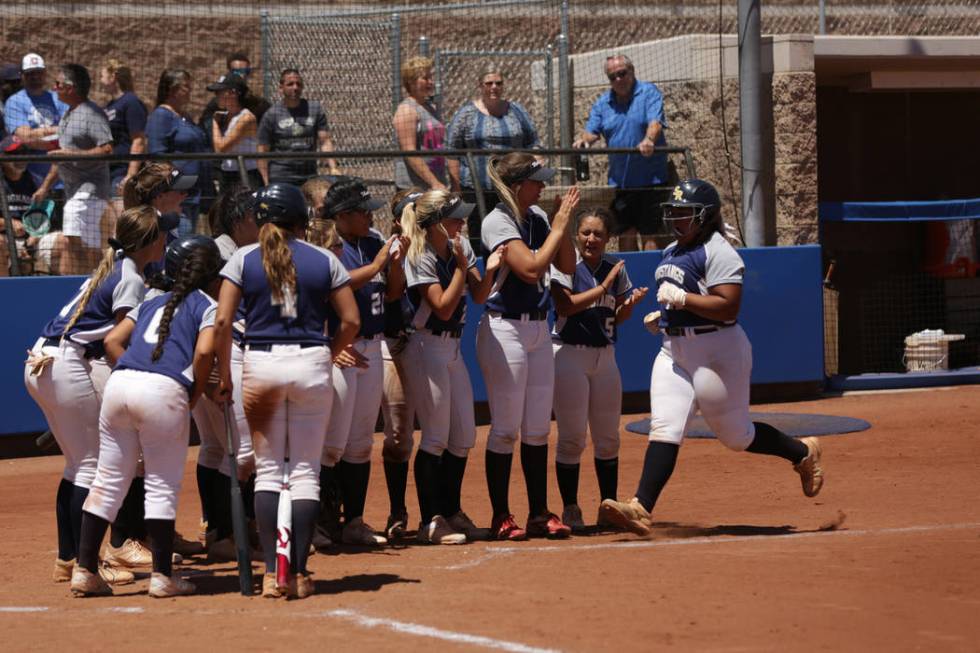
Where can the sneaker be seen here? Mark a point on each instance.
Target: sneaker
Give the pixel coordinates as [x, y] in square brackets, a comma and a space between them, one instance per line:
[505, 528]
[357, 531]
[809, 469]
[85, 583]
[396, 526]
[571, 516]
[603, 522]
[176, 558]
[164, 587]
[130, 555]
[187, 547]
[321, 539]
[461, 523]
[438, 531]
[62, 570]
[115, 575]
[547, 525]
[301, 586]
[270, 590]
[632, 515]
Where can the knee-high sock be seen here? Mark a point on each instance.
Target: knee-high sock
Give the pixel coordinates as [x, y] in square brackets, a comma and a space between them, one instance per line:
[330, 500]
[534, 462]
[78, 496]
[771, 441]
[354, 478]
[567, 476]
[220, 513]
[67, 542]
[205, 477]
[129, 519]
[498, 481]
[248, 496]
[427, 484]
[607, 472]
[267, 514]
[304, 521]
[93, 530]
[658, 465]
[161, 534]
[396, 477]
[453, 470]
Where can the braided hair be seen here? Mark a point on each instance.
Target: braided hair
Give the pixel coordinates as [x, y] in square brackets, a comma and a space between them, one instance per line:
[200, 267]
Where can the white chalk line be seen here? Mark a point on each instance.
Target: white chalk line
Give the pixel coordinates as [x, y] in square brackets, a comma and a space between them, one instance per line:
[23, 608]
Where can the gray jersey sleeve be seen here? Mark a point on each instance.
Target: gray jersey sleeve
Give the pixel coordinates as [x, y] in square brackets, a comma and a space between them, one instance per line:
[234, 268]
[207, 320]
[339, 277]
[498, 227]
[470, 256]
[128, 292]
[134, 314]
[722, 263]
[560, 278]
[423, 271]
[623, 283]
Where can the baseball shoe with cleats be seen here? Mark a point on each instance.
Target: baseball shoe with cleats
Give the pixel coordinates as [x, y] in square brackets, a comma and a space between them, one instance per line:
[571, 516]
[321, 539]
[131, 555]
[85, 583]
[270, 589]
[809, 469]
[461, 523]
[603, 522]
[301, 587]
[504, 527]
[357, 531]
[164, 587]
[62, 570]
[397, 525]
[115, 575]
[547, 525]
[630, 515]
[187, 547]
[438, 531]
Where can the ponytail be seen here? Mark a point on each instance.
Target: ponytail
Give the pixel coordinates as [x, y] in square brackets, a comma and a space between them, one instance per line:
[503, 190]
[415, 234]
[280, 271]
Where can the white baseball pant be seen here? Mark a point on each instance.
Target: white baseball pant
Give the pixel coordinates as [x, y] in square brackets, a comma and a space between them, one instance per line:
[65, 392]
[396, 407]
[709, 371]
[588, 393]
[148, 412]
[519, 370]
[210, 420]
[357, 399]
[441, 393]
[287, 393]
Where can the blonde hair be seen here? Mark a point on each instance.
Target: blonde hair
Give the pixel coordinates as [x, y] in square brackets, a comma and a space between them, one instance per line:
[121, 73]
[507, 166]
[414, 69]
[322, 232]
[277, 261]
[136, 228]
[423, 208]
[489, 69]
[142, 187]
[315, 190]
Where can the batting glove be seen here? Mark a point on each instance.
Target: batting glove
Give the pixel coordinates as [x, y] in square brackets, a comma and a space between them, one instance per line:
[668, 293]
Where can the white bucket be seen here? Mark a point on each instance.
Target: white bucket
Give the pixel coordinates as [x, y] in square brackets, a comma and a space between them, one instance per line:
[928, 350]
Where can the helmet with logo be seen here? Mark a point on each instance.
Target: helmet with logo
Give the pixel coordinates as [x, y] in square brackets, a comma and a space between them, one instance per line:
[181, 249]
[281, 204]
[697, 195]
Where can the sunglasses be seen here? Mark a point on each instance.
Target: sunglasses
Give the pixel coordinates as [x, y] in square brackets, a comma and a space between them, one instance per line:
[493, 83]
[619, 74]
[60, 84]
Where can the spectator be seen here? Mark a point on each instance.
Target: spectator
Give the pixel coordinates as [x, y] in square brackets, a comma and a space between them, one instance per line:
[127, 120]
[9, 84]
[315, 193]
[32, 114]
[294, 124]
[631, 114]
[237, 63]
[170, 130]
[233, 130]
[82, 132]
[488, 122]
[418, 127]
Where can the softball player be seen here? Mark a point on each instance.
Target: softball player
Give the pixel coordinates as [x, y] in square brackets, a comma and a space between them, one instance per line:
[706, 359]
[64, 375]
[440, 267]
[513, 343]
[588, 389]
[358, 385]
[146, 411]
[285, 285]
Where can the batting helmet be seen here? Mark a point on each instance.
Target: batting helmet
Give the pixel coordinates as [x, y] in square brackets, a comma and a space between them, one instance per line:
[695, 194]
[179, 250]
[281, 204]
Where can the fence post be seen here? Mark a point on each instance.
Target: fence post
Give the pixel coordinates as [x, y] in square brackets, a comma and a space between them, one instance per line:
[750, 114]
[437, 69]
[424, 46]
[565, 29]
[11, 240]
[565, 103]
[823, 16]
[478, 185]
[264, 49]
[550, 97]
[396, 60]
[242, 172]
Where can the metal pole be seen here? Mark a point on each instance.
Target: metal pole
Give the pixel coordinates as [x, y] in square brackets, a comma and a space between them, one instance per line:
[549, 102]
[424, 46]
[265, 48]
[242, 172]
[750, 109]
[437, 64]
[396, 60]
[8, 221]
[823, 16]
[564, 20]
[565, 103]
[477, 185]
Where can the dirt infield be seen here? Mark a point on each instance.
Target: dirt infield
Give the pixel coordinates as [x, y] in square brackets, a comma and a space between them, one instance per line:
[742, 561]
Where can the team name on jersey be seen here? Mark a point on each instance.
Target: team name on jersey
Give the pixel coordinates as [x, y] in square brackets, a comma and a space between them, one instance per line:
[672, 272]
[606, 301]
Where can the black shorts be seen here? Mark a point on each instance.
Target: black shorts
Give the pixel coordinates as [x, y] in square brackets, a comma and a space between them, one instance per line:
[639, 209]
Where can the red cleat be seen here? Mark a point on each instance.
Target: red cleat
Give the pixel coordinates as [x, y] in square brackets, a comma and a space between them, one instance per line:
[548, 525]
[506, 528]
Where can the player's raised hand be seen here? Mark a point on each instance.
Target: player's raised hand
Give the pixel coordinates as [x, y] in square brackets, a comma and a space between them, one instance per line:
[496, 258]
[564, 207]
[381, 259]
[636, 296]
[610, 279]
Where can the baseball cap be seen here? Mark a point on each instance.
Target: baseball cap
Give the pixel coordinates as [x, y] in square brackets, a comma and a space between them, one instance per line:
[9, 72]
[348, 197]
[454, 209]
[32, 61]
[229, 82]
[533, 171]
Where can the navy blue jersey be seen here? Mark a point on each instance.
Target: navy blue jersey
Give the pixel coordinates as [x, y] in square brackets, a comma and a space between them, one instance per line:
[510, 293]
[318, 273]
[596, 325]
[192, 316]
[429, 269]
[121, 290]
[697, 269]
[371, 296]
